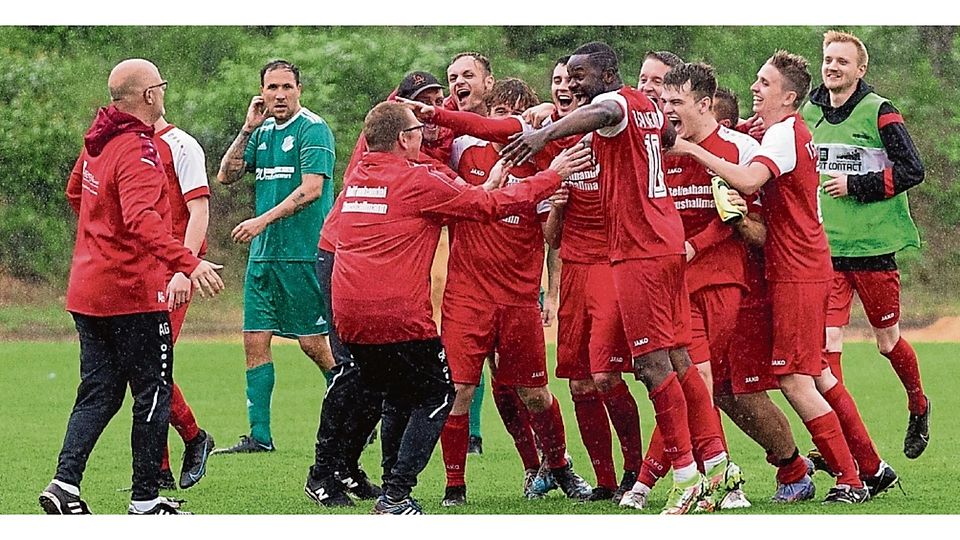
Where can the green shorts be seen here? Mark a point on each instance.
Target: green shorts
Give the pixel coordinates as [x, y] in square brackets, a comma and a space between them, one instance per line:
[283, 297]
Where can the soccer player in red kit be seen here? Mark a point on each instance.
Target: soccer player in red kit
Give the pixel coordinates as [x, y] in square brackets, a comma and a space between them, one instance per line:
[716, 278]
[645, 238]
[797, 256]
[391, 218]
[490, 304]
[592, 349]
[189, 193]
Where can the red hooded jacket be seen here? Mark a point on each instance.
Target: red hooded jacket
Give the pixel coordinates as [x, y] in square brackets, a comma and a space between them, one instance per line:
[125, 251]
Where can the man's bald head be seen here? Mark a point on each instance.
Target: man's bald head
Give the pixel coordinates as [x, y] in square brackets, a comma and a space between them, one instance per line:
[129, 76]
[136, 88]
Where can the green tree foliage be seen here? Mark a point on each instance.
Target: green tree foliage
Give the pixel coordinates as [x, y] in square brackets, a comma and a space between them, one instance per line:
[52, 79]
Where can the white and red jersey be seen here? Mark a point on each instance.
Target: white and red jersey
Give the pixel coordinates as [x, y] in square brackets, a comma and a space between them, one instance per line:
[796, 249]
[720, 255]
[185, 165]
[499, 262]
[390, 221]
[641, 219]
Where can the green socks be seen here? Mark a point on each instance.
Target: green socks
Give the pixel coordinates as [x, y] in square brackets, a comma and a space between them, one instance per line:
[475, 407]
[259, 391]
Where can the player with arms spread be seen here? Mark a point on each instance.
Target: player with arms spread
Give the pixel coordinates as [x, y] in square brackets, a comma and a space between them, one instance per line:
[645, 238]
[391, 217]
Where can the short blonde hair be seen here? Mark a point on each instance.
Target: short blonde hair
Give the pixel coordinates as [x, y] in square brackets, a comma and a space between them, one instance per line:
[837, 36]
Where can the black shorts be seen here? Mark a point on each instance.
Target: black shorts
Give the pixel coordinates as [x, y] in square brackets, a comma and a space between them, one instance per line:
[411, 373]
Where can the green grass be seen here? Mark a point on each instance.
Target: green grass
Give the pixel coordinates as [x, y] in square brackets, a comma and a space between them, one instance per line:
[39, 384]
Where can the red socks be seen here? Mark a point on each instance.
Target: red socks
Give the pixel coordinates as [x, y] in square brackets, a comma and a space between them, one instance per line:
[656, 464]
[904, 361]
[827, 435]
[625, 418]
[181, 417]
[671, 411]
[548, 425]
[854, 431]
[517, 421]
[453, 441]
[595, 432]
[792, 470]
[705, 433]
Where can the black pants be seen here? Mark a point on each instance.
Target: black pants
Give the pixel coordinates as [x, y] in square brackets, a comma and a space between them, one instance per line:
[415, 378]
[350, 411]
[134, 350]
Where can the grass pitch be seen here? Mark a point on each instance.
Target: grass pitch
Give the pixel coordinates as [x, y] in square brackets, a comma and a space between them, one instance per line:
[39, 385]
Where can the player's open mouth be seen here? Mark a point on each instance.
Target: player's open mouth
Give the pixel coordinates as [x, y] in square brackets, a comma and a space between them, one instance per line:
[463, 94]
[675, 120]
[564, 101]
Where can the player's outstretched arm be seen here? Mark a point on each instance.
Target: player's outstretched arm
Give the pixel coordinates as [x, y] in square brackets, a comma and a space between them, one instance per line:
[746, 179]
[581, 121]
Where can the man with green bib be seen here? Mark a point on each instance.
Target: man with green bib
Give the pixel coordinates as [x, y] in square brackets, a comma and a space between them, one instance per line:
[867, 161]
[291, 151]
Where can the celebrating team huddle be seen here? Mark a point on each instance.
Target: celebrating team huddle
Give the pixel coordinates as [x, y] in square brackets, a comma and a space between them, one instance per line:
[713, 257]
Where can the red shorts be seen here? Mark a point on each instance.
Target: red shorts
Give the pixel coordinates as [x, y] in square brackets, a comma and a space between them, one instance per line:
[590, 336]
[749, 351]
[471, 330]
[177, 317]
[879, 292]
[799, 320]
[713, 314]
[653, 303]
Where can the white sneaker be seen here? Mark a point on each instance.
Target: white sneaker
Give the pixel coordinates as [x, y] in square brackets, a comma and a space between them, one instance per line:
[634, 499]
[734, 499]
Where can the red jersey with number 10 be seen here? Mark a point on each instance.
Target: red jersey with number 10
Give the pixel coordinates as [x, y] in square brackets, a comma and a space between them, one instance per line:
[641, 219]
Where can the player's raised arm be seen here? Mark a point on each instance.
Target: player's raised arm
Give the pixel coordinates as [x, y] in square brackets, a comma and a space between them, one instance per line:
[232, 166]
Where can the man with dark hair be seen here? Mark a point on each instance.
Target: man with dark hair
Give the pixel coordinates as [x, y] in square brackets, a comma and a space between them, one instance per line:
[797, 256]
[867, 163]
[470, 78]
[490, 306]
[717, 277]
[291, 150]
[646, 254]
[726, 107]
[120, 292]
[384, 318]
[592, 349]
[655, 66]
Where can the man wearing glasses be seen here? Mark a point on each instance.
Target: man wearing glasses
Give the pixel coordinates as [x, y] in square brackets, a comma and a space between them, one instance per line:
[291, 150]
[119, 291]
